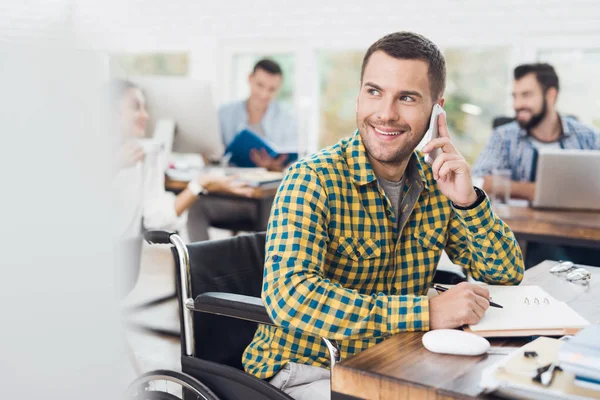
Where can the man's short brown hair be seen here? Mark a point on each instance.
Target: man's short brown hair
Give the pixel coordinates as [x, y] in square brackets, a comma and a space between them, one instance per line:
[412, 46]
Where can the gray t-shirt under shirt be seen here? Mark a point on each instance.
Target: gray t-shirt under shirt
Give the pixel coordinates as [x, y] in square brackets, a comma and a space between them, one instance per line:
[393, 190]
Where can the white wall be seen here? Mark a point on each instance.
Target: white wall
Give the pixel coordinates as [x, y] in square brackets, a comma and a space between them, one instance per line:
[213, 30]
[206, 28]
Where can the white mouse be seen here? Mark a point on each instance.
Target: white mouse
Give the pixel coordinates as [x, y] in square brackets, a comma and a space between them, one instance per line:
[453, 341]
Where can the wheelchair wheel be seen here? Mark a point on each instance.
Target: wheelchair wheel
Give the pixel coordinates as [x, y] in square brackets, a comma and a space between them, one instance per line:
[153, 395]
[168, 385]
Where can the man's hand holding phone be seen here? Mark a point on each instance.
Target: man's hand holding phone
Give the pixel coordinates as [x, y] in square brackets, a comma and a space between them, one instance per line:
[450, 169]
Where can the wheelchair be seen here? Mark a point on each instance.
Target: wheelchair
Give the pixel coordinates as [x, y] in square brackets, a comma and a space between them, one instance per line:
[218, 289]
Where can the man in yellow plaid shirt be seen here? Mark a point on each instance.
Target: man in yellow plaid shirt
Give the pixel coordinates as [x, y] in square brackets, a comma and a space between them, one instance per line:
[357, 230]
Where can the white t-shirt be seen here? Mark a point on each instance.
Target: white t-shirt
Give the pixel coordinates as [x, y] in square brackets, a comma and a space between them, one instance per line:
[539, 145]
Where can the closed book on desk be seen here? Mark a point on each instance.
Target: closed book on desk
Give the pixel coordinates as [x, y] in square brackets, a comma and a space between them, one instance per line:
[581, 354]
[247, 140]
[527, 311]
[587, 383]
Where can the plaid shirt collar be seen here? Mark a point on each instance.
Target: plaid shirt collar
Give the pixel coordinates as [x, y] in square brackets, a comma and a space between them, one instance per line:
[566, 131]
[362, 170]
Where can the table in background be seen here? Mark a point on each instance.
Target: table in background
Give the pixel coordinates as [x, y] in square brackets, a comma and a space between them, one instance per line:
[563, 227]
[262, 199]
[401, 368]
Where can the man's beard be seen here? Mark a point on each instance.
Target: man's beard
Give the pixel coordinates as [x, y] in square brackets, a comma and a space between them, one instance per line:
[535, 119]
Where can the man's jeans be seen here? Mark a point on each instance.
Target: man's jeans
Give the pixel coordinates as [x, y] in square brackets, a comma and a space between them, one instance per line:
[303, 382]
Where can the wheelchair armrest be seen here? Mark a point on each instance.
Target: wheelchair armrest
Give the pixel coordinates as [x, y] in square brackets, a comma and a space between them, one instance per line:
[231, 305]
[158, 237]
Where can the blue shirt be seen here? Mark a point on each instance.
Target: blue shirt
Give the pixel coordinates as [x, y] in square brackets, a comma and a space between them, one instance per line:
[510, 147]
[278, 124]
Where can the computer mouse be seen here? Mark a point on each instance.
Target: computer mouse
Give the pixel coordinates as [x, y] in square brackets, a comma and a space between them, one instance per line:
[454, 341]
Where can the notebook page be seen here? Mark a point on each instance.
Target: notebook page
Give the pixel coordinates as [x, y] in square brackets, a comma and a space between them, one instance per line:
[527, 307]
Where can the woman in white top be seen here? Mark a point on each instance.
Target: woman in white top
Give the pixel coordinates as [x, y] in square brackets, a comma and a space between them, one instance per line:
[142, 202]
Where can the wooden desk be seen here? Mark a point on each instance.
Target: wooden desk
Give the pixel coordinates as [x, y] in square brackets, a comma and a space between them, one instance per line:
[262, 199]
[178, 186]
[401, 368]
[578, 228]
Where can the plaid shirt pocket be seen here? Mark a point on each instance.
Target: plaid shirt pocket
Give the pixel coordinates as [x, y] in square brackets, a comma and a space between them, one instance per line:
[433, 239]
[359, 248]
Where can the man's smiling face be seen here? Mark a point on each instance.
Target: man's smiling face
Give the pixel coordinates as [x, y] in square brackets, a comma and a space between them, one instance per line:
[393, 107]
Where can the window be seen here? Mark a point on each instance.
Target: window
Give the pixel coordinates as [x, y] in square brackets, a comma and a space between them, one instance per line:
[123, 65]
[579, 84]
[244, 63]
[339, 83]
[477, 87]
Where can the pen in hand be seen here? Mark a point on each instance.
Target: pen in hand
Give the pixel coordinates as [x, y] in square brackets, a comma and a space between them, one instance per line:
[443, 289]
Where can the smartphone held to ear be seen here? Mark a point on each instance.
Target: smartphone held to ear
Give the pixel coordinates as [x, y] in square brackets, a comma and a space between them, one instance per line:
[432, 133]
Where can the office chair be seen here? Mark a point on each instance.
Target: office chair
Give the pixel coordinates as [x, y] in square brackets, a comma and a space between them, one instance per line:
[219, 285]
[502, 120]
[257, 224]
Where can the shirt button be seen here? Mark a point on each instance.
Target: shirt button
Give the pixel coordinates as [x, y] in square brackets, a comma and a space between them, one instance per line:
[275, 258]
[388, 212]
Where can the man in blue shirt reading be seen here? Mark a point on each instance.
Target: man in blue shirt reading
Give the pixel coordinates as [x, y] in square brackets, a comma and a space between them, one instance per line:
[263, 115]
[266, 117]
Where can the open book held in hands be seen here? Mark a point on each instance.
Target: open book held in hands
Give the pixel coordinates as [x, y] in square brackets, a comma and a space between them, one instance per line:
[247, 140]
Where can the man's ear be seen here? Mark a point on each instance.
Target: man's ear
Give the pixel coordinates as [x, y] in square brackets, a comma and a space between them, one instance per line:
[442, 100]
[551, 96]
[250, 77]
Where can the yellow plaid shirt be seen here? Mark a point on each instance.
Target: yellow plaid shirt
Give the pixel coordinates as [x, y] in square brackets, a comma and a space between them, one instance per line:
[340, 265]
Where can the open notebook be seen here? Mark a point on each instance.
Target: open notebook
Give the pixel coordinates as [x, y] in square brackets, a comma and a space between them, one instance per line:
[528, 310]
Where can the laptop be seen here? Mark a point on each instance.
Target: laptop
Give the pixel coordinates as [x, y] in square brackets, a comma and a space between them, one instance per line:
[568, 179]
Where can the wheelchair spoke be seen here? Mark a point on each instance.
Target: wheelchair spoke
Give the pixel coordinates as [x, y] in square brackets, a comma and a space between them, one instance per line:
[149, 386]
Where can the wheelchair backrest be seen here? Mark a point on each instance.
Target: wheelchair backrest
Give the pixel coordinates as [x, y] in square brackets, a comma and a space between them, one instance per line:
[232, 265]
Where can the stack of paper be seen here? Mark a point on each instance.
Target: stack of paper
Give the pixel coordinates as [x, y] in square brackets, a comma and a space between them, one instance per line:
[581, 356]
[512, 376]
